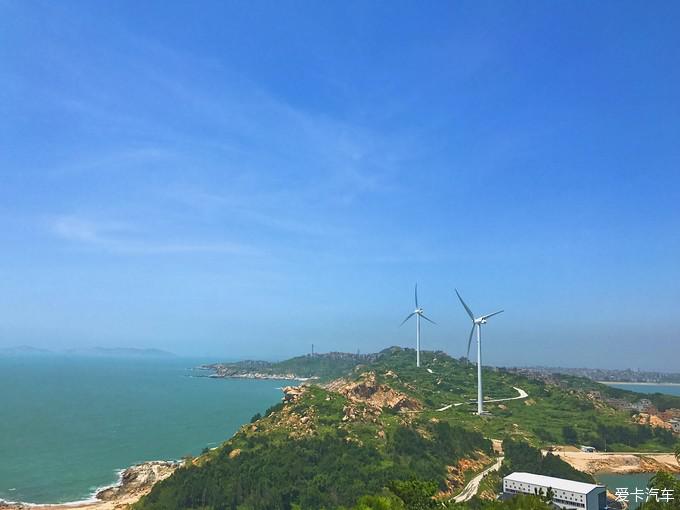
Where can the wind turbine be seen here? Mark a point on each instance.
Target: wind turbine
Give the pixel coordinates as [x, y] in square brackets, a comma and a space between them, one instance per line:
[418, 312]
[477, 323]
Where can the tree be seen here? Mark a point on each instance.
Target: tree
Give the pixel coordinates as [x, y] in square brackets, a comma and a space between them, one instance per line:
[380, 503]
[664, 483]
[416, 494]
[570, 435]
[549, 495]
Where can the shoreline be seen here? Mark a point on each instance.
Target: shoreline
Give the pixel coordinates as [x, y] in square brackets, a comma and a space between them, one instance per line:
[266, 377]
[133, 483]
[629, 383]
[228, 373]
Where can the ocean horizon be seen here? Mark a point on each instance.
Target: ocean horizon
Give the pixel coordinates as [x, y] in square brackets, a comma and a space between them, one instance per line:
[74, 423]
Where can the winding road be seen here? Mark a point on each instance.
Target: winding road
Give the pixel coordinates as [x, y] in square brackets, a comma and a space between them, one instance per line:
[522, 394]
[473, 485]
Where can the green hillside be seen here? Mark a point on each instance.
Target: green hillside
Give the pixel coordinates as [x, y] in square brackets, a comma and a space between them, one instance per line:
[318, 366]
[390, 434]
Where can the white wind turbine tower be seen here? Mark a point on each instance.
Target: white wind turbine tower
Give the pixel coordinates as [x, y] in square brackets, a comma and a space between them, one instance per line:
[418, 312]
[477, 323]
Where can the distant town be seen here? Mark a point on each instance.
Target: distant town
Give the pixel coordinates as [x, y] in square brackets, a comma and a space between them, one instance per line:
[605, 375]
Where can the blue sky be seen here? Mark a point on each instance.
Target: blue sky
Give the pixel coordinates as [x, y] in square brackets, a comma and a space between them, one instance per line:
[246, 179]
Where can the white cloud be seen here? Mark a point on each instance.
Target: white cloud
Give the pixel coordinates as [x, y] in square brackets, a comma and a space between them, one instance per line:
[123, 239]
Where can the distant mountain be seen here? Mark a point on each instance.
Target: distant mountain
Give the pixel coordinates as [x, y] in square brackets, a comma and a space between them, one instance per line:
[24, 350]
[114, 352]
[120, 352]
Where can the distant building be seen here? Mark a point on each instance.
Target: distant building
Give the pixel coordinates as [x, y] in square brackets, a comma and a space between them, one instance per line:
[567, 494]
[675, 424]
[620, 404]
[642, 405]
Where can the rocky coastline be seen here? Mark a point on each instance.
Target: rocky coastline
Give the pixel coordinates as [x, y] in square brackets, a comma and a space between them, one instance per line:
[227, 372]
[135, 482]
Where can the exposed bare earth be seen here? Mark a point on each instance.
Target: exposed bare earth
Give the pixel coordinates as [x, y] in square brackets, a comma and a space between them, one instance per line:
[367, 390]
[136, 482]
[622, 463]
[473, 486]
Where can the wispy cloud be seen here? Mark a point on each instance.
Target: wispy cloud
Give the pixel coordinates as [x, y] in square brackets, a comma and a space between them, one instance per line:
[123, 239]
[181, 156]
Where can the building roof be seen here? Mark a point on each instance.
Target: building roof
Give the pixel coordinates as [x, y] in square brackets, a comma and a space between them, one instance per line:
[555, 483]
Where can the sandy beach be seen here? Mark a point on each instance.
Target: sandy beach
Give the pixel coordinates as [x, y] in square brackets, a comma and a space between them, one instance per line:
[135, 482]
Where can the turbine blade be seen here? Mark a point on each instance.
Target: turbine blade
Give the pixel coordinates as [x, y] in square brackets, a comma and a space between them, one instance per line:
[467, 308]
[472, 332]
[416, 295]
[407, 318]
[492, 314]
[423, 316]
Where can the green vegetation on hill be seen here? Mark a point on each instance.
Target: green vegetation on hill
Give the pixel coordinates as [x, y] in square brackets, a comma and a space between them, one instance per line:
[391, 436]
[321, 366]
[551, 414]
[304, 453]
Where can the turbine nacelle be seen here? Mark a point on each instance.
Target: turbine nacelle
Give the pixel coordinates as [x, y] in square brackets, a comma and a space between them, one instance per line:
[419, 313]
[477, 323]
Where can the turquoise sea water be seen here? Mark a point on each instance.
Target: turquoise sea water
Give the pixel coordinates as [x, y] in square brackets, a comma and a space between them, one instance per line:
[649, 388]
[68, 424]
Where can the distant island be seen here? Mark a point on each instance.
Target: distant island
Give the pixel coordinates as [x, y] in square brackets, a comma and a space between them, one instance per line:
[301, 368]
[114, 352]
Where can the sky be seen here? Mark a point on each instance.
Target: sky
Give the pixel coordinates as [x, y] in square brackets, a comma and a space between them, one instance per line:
[244, 179]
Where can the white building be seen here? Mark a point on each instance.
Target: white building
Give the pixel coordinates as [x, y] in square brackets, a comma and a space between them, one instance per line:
[675, 424]
[567, 494]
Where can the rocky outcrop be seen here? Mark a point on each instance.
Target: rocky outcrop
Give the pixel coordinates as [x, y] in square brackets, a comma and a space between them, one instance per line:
[652, 421]
[138, 479]
[135, 482]
[379, 396]
[293, 393]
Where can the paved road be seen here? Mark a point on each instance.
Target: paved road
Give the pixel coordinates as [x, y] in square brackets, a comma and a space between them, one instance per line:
[473, 485]
[522, 394]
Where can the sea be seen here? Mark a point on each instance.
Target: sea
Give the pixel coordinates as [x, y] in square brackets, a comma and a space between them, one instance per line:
[69, 425]
[669, 389]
